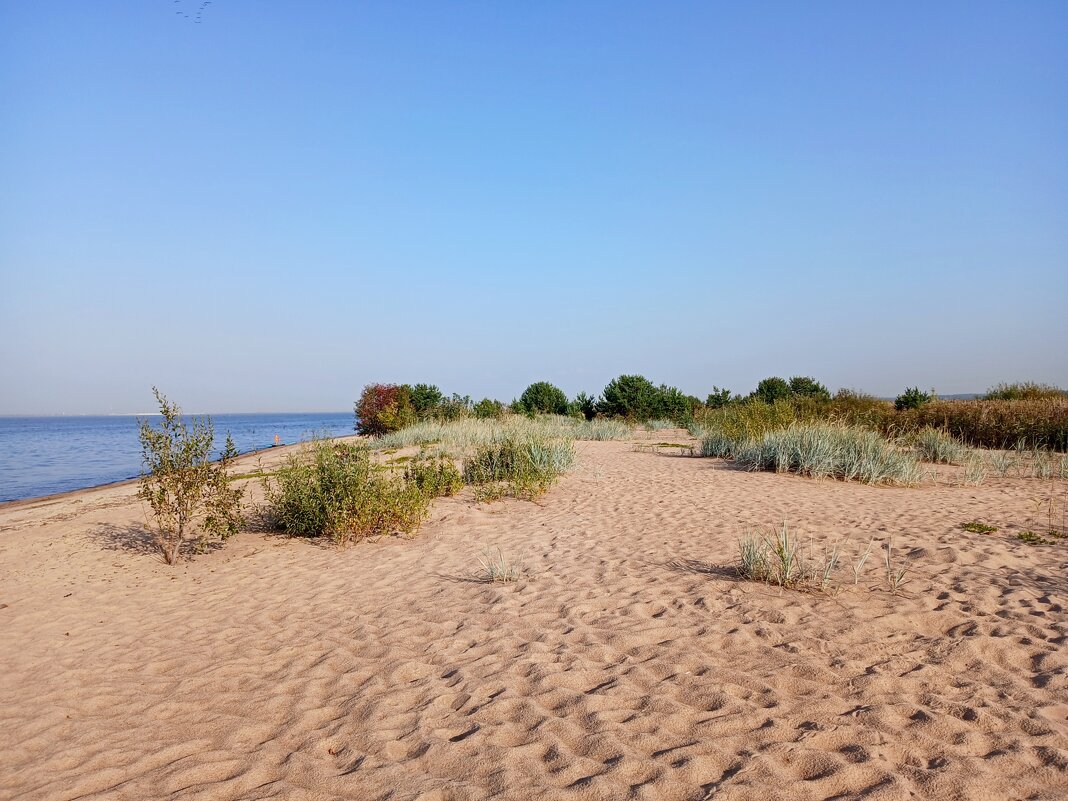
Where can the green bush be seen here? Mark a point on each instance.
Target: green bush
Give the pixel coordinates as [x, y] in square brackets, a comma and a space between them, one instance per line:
[803, 386]
[337, 491]
[636, 398]
[434, 476]
[487, 409]
[520, 466]
[632, 396]
[911, 398]
[772, 389]
[542, 397]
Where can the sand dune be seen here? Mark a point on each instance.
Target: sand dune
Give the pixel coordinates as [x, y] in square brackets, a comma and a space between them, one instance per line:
[627, 663]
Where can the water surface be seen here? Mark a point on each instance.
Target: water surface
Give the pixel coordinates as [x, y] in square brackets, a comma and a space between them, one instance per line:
[44, 455]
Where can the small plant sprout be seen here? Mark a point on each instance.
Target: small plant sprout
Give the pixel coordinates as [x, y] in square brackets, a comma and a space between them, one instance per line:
[496, 567]
[895, 576]
[858, 566]
[829, 567]
[1031, 538]
[786, 558]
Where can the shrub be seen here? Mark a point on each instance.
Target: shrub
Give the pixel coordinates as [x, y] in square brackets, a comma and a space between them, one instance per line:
[542, 397]
[434, 476]
[937, 446]
[521, 466]
[911, 398]
[337, 491]
[487, 409]
[190, 496]
[383, 408]
[1025, 390]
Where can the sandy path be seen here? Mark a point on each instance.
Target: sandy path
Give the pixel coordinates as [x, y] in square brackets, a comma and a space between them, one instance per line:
[623, 666]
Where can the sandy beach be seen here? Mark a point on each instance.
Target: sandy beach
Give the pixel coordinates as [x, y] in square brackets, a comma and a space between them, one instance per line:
[629, 661]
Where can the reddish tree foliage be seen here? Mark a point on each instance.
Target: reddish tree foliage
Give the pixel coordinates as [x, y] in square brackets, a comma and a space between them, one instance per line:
[383, 408]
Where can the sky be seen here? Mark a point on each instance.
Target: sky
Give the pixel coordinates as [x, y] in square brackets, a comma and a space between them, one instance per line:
[271, 208]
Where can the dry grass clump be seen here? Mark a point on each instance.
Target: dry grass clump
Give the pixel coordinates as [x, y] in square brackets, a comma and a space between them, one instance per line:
[497, 568]
[780, 559]
[823, 450]
[336, 490]
[934, 445]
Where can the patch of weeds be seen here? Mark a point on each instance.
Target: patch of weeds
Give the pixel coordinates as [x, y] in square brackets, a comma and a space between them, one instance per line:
[435, 476]
[521, 466]
[976, 527]
[335, 490]
[1031, 538]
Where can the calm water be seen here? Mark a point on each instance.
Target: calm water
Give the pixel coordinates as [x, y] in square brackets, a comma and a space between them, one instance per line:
[42, 455]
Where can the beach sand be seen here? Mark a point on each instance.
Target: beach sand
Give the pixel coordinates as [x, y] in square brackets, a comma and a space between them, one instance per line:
[628, 662]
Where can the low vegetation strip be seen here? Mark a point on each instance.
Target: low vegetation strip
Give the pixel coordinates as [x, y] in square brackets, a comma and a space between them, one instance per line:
[820, 450]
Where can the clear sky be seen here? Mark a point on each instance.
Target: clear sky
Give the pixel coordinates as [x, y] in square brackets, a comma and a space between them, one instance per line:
[270, 208]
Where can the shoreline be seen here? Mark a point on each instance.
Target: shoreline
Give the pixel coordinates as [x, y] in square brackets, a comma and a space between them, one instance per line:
[51, 497]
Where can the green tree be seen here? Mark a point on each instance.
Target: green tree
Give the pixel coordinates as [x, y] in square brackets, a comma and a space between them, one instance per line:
[772, 389]
[632, 396]
[190, 495]
[803, 386]
[542, 397]
[718, 398]
[425, 399]
[585, 405]
[911, 398]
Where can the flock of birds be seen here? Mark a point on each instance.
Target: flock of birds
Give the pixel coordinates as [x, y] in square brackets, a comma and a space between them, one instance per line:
[197, 15]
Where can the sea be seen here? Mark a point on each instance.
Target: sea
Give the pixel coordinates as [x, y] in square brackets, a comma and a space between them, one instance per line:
[46, 455]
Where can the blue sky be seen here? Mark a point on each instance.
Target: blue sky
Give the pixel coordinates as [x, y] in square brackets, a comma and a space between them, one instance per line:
[267, 210]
